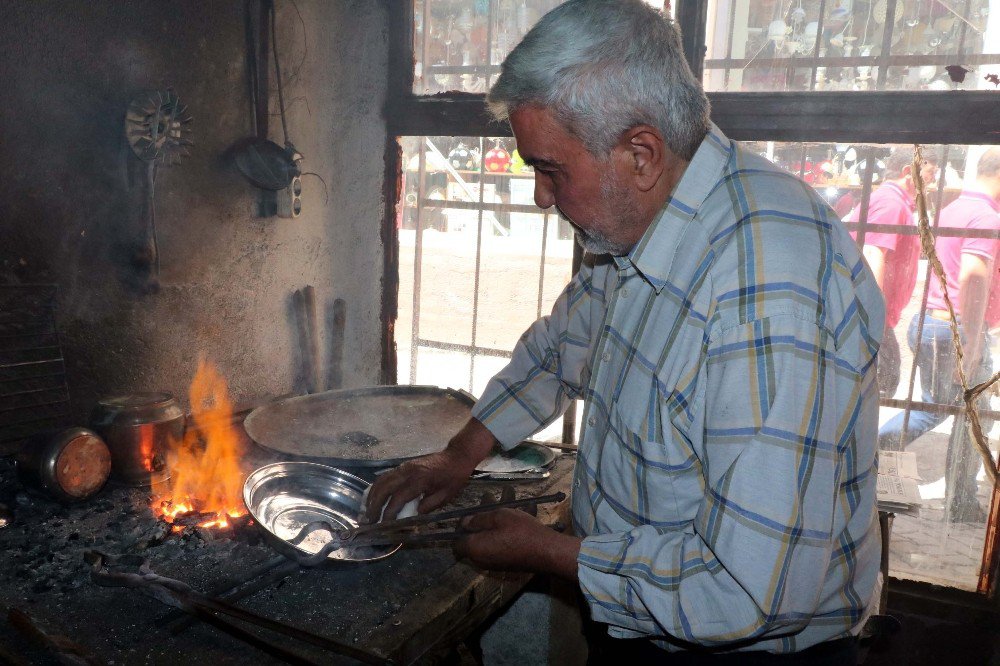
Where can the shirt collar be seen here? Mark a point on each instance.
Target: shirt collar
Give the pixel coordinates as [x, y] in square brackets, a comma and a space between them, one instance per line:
[973, 194]
[653, 255]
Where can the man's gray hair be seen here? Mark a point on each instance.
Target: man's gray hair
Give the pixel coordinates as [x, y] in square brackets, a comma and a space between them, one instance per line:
[602, 67]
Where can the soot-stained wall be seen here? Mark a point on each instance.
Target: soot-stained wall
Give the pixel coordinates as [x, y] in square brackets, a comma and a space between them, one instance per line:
[71, 192]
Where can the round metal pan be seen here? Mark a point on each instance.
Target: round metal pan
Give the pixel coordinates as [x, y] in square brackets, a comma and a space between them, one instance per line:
[525, 457]
[380, 426]
[284, 497]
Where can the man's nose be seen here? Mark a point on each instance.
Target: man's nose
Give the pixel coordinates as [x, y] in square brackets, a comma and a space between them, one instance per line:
[543, 193]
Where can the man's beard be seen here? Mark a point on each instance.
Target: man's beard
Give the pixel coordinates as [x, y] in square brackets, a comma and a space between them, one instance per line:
[613, 198]
[597, 243]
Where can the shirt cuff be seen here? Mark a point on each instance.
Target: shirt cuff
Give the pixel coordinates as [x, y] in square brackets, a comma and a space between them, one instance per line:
[607, 591]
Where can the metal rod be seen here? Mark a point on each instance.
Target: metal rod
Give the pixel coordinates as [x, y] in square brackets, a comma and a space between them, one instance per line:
[261, 578]
[418, 239]
[413, 521]
[256, 641]
[477, 274]
[205, 604]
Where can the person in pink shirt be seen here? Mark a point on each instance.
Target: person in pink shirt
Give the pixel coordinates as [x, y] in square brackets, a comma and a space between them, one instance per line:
[893, 256]
[970, 264]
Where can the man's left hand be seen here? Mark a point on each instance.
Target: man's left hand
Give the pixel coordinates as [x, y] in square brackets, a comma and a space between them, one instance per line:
[510, 539]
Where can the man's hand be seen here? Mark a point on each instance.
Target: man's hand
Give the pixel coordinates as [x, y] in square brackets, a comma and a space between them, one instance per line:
[438, 477]
[512, 539]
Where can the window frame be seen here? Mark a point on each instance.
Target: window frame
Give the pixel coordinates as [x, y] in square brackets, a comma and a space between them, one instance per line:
[886, 117]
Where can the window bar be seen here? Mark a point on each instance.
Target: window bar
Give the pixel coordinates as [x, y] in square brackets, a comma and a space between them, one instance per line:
[490, 16]
[819, 41]
[541, 264]
[569, 416]
[928, 275]
[418, 254]
[866, 193]
[425, 11]
[691, 16]
[887, 29]
[479, 257]
[729, 42]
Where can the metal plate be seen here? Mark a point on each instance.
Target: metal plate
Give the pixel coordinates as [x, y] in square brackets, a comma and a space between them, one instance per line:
[525, 457]
[284, 497]
[379, 426]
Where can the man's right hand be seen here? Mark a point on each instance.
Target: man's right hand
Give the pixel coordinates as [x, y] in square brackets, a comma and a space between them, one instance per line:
[438, 477]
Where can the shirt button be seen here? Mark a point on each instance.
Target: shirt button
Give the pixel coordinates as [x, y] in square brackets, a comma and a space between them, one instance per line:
[577, 483]
[605, 357]
[592, 421]
[625, 292]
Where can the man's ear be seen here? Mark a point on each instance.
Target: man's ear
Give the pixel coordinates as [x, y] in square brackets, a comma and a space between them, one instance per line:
[647, 154]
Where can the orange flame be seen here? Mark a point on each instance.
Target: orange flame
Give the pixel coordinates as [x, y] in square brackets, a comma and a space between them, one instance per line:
[204, 468]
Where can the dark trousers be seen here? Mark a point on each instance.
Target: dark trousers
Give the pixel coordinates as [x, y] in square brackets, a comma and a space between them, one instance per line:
[617, 652]
[603, 650]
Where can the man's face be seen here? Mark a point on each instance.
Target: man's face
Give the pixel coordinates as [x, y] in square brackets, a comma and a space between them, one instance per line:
[591, 194]
[928, 173]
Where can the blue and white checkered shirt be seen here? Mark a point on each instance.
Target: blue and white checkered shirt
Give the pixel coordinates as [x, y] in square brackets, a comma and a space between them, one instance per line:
[725, 483]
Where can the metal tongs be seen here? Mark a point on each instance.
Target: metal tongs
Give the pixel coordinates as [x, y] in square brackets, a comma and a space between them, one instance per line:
[108, 571]
[398, 532]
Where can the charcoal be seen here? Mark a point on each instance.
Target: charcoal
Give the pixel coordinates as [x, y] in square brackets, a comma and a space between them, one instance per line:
[43, 585]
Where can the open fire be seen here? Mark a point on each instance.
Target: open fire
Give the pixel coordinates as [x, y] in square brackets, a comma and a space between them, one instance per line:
[205, 480]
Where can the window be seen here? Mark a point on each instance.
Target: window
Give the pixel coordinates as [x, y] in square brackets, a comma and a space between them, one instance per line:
[854, 46]
[825, 88]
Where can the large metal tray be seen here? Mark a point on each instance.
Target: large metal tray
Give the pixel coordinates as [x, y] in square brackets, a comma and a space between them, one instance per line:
[284, 497]
[380, 426]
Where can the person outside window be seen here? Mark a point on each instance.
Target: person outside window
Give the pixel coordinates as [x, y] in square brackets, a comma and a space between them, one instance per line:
[970, 268]
[893, 256]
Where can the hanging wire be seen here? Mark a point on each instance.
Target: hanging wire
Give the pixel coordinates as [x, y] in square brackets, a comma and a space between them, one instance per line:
[277, 73]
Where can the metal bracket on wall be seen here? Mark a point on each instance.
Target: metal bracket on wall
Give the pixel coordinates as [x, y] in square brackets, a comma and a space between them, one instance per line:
[156, 127]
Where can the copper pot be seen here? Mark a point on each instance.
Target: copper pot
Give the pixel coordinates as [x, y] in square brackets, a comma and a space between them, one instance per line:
[70, 465]
[139, 429]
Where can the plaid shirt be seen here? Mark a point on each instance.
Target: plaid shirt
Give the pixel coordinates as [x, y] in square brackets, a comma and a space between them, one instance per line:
[725, 483]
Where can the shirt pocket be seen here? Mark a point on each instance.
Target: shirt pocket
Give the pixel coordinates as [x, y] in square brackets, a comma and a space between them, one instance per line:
[651, 474]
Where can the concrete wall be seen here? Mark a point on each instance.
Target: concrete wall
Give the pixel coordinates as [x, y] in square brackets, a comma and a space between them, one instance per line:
[71, 192]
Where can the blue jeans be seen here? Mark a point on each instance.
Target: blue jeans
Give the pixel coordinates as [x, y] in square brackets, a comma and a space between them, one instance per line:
[935, 356]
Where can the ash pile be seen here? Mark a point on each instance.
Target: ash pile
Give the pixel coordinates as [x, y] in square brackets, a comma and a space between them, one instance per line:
[43, 541]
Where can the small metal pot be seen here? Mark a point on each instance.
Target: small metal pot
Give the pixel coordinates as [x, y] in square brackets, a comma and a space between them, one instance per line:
[69, 466]
[139, 429]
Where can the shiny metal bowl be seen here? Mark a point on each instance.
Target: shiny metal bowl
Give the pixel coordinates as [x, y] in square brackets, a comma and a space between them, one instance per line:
[284, 497]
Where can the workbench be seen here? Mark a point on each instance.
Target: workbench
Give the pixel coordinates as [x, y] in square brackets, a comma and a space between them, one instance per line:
[405, 608]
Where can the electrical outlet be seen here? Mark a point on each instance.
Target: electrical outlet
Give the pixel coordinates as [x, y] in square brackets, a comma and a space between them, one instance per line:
[289, 200]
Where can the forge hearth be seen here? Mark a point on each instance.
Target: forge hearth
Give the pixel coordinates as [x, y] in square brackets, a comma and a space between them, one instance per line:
[402, 606]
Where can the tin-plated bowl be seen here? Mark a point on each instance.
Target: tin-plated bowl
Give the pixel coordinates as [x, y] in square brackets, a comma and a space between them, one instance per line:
[284, 497]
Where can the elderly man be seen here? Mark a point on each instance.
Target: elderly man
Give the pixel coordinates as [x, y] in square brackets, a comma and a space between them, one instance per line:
[721, 332]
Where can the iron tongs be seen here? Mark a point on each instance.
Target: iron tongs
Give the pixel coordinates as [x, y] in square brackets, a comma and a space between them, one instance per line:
[394, 532]
[106, 571]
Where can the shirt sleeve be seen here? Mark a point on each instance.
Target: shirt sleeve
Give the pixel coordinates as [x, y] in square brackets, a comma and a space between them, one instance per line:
[886, 210]
[983, 247]
[548, 367]
[753, 562]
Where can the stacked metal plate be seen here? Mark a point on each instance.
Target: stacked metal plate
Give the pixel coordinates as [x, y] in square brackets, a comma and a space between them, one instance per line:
[34, 397]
